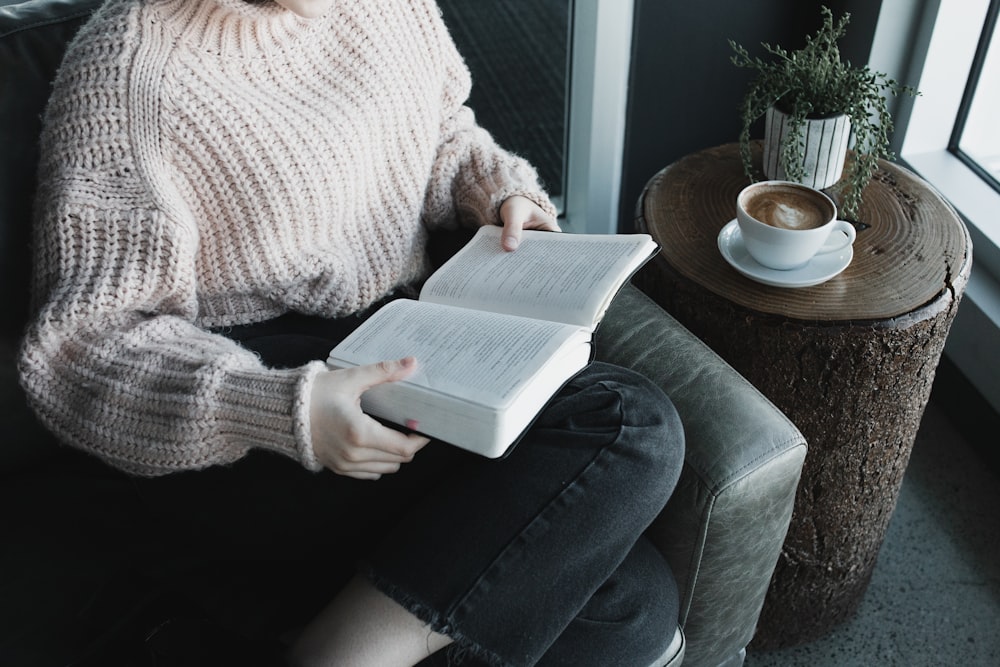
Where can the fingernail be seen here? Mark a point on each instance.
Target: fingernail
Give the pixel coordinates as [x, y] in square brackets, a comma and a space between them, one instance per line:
[510, 243]
[412, 424]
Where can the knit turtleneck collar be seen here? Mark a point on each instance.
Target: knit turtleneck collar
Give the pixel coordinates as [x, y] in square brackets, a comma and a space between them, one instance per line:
[233, 27]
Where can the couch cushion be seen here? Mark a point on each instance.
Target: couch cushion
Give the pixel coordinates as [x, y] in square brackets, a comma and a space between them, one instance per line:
[33, 38]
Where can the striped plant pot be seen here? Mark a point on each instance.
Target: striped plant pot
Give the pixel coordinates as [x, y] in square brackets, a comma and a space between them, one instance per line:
[825, 144]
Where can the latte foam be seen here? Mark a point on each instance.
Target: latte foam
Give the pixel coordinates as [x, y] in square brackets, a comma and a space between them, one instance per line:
[787, 207]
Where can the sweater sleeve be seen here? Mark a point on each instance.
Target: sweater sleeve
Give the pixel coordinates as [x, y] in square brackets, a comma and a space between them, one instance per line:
[113, 362]
[472, 175]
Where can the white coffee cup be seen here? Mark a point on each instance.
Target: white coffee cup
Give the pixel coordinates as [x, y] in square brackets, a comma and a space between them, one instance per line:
[785, 224]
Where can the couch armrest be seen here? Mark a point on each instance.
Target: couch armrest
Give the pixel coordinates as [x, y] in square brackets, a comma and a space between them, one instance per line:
[723, 529]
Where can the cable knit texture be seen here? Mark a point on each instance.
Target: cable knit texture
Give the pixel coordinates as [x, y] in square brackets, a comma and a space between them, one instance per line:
[211, 162]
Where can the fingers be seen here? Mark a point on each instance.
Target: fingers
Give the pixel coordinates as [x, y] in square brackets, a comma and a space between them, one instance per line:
[384, 371]
[381, 451]
[348, 441]
[513, 223]
[371, 464]
[519, 213]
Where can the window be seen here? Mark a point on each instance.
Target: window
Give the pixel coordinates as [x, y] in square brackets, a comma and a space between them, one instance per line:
[942, 46]
[517, 52]
[550, 82]
[975, 140]
[938, 54]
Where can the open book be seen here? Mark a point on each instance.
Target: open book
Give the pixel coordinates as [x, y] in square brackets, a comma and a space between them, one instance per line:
[496, 334]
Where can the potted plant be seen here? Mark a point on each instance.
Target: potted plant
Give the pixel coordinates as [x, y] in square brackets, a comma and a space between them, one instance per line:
[809, 94]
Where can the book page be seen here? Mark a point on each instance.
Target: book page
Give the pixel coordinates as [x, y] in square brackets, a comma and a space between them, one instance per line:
[478, 356]
[555, 276]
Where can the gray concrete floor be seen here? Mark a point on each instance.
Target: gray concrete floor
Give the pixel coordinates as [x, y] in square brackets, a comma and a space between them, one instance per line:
[934, 598]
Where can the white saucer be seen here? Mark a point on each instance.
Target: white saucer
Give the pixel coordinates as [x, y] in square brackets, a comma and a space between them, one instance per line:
[819, 269]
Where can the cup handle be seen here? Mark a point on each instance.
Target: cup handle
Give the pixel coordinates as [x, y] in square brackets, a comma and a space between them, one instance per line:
[837, 241]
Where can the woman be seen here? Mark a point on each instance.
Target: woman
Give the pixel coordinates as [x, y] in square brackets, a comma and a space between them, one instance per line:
[226, 189]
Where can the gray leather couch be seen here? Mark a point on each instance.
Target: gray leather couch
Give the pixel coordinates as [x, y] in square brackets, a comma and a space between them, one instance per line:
[721, 532]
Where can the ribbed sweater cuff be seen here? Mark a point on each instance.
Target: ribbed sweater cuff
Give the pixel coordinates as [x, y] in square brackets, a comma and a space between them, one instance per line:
[271, 411]
[536, 196]
[482, 198]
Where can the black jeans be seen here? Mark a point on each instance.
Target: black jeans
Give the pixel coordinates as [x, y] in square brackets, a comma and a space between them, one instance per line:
[533, 559]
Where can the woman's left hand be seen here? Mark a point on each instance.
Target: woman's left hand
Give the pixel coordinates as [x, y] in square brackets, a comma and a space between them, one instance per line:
[519, 213]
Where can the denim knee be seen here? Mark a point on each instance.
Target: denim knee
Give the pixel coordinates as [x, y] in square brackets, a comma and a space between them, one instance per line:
[652, 436]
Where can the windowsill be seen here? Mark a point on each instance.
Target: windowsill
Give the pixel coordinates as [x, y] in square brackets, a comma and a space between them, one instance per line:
[974, 199]
[975, 333]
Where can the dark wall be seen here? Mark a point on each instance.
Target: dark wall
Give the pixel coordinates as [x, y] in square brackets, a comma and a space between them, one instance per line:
[684, 93]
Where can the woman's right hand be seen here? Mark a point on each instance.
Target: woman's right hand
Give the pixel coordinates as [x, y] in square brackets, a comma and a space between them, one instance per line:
[345, 439]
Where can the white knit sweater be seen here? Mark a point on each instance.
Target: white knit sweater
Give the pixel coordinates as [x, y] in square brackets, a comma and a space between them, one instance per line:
[212, 162]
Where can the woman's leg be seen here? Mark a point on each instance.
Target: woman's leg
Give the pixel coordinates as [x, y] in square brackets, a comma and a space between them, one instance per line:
[553, 525]
[506, 554]
[363, 627]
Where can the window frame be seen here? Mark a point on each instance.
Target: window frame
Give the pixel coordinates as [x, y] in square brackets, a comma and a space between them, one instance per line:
[987, 36]
[600, 56]
[934, 43]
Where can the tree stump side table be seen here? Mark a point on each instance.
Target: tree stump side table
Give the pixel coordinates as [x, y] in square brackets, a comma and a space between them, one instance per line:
[849, 361]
